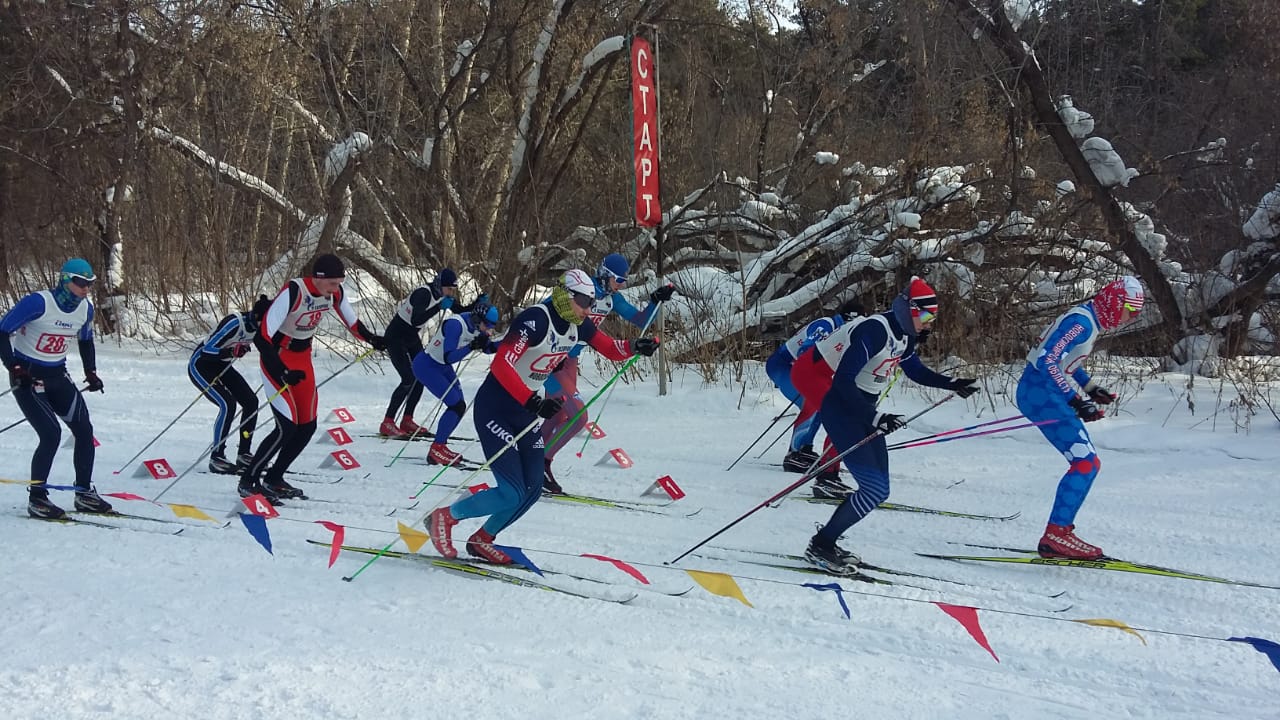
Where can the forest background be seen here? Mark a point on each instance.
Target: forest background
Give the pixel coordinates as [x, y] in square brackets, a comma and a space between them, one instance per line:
[1016, 153]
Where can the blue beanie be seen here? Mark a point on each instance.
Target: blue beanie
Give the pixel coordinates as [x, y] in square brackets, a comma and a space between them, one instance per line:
[447, 278]
[77, 266]
[613, 266]
[491, 315]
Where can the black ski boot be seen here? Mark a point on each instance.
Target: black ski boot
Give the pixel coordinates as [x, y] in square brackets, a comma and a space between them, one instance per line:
[827, 486]
[243, 462]
[800, 460]
[90, 502]
[282, 488]
[247, 488]
[222, 466]
[549, 484]
[40, 507]
[831, 558]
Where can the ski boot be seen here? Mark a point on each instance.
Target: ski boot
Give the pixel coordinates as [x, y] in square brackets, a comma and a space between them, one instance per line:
[480, 545]
[440, 529]
[388, 429]
[831, 558]
[549, 484]
[800, 460]
[40, 507]
[1060, 541]
[88, 500]
[440, 454]
[409, 427]
[222, 466]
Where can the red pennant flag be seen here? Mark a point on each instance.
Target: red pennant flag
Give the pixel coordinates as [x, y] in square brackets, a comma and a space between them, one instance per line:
[624, 567]
[968, 618]
[126, 496]
[335, 547]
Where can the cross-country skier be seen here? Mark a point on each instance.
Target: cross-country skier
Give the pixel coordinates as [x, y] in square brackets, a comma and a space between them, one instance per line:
[457, 337]
[35, 337]
[404, 342]
[508, 406]
[860, 359]
[212, 372]
[284, 346]
[800, 455]
[1046, 393]
[610, 277]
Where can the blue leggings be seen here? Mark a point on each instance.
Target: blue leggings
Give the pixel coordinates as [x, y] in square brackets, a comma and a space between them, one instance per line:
[442, 381]
[1040, 399]
[517, 471]
[848, 421]
[778, 368]
[56, 398]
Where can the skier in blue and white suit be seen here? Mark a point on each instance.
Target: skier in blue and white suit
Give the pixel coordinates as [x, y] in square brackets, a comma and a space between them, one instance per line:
[610, 277]
[864, 356]
[508, 404]
[35, 337]
[457, 337]
[1047, 394]
[800, 455]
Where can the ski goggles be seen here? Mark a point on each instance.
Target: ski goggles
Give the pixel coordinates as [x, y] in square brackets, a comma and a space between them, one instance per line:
[606, 274]
[583, 300]
[81, 281]
[1133, 306]
[925, 316]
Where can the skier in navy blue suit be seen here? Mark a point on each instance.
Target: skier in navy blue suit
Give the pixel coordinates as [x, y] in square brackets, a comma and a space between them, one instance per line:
[212, 372]
[508, 405]
[610, 277]
[35, 337]
[863, 357]
[457, 337]
[800, 455]
[1046, 394]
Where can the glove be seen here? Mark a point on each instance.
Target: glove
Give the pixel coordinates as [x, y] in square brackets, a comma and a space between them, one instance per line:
[19, 376]
[888, 422]
[921, 337]
[446, 302]
[378, 342]
[964, 387]
[662, 294]
[1101, 395]
[543, 407]
[240, 350]
[479, 342]
[292, 377]
[1086, 410]
[645, 346]
[95, 382]
[482, 300]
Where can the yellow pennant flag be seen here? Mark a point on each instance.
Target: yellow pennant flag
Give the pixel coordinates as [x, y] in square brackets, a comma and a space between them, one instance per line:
[7, 481]
[719, 584]
[413, 539]
[1104, 622]
[189, 511]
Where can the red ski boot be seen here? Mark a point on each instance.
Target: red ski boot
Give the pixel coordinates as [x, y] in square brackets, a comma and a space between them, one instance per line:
[440, 454]
[480, 545]
[409, 427]
[440, 529]
[1060, 541]
[388, 429]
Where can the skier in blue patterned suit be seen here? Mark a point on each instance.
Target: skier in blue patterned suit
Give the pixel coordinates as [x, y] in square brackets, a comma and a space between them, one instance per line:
[404, 342]
[1046, 393]
[610, 277]
[800, 455]
[35, 337]
[864, 356]
[457, 337]
[508, 405]
[211, 371]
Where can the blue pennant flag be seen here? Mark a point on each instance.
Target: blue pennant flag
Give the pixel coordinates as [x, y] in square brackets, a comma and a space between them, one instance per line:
[1267, 647]
[257, 527]
[839, 595]
[518, 556]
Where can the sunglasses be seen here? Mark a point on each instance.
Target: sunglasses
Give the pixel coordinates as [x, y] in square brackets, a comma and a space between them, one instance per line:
[1132, 307]
[924, 315]
[82, 281]
[583, 300]
[607, 273]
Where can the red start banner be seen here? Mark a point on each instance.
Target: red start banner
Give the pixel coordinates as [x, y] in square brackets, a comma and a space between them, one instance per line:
[644, 126]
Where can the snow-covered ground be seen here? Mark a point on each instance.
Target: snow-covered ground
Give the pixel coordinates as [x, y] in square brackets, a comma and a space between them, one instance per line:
[139, 623]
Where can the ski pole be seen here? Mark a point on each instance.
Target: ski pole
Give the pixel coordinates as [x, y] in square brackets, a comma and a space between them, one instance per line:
[1038, 423]
[202, 394]
[812, 473]
[956, 431]
[896, 374]
[462, 486]
[456, 378]
[252, 418]
[605, 404]
[6, 392]
[775, 420]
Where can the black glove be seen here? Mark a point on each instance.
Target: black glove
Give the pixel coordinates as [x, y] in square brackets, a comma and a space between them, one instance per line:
[95, 382]
[662, 294]
[964, 387]
[292, 377]
[543, 407]
[1086, 410]
[1101, 395]
[240, 350]
[378, 342]
[921, 337]
[888, 422]
[19, 376]
[645, 346]
[479, 342]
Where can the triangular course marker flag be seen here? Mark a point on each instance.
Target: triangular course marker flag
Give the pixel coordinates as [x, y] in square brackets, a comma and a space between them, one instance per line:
[968, 618]
[624, 567]
[839, 595]
[1266, 647]
[1106, 622]
[719, 584]
[257, 527]
[335, 546]
[413, 539]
